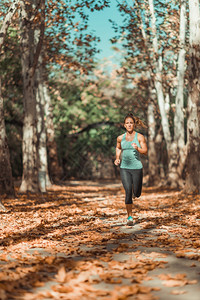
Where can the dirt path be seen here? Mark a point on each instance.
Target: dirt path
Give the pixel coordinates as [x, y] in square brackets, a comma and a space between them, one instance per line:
[73, 243]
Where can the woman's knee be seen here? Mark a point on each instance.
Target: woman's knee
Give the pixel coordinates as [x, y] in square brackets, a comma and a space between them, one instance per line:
[128, 193]
[138, 194]
[137, 191]
[128, 200]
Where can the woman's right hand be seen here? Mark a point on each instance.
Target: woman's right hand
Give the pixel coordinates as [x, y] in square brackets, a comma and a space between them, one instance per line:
[117, 162]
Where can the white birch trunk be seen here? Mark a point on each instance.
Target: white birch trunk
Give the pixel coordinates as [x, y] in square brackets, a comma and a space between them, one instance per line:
[179, 135]
[158, 79]
[30, 55]
[153, 167]
[29, 149]
[177, 150]
[167, 105]
[43, 174]
[193, 124]
[174, 168]
[44, 180]
[152, 155]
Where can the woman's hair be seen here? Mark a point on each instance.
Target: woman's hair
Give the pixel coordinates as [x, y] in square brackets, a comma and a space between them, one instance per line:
[136, 120]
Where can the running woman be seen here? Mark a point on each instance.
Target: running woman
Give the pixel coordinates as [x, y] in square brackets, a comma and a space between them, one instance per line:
[129, 146]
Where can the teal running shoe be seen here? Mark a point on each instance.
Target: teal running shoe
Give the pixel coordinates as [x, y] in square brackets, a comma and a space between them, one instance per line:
[130, 221]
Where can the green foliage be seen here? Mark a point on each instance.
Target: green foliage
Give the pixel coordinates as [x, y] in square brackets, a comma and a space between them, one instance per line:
[86, 123]
[88, 116]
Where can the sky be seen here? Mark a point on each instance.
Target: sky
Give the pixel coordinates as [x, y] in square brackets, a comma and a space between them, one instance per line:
[99, 22]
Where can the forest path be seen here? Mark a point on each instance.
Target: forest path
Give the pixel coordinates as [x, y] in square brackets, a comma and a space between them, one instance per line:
[73, 243]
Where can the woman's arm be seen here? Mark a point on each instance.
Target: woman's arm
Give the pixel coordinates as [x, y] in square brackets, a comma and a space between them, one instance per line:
[143, 145]
[118, 151]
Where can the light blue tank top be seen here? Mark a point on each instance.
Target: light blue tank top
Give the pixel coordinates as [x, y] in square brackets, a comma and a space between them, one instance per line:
[130, 156]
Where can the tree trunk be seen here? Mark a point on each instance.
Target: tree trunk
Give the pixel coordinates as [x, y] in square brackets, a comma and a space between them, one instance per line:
[193, 125]
[175, 164]
[179, 135]
[158, 79]
[153, 167]
[179, 132]
[30, 52]
[6, 181]
[44, 180]
[152, 155]
[54, 167]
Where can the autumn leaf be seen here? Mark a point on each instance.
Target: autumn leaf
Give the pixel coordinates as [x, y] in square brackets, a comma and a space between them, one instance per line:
[178, 292]
[174, 283]
[61, 274]
[77, 253]
[62, 289]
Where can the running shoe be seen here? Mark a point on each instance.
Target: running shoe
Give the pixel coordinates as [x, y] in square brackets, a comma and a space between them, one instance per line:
[130, 221]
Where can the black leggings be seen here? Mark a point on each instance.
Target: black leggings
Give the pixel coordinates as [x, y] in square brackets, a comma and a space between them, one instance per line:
[132, 182]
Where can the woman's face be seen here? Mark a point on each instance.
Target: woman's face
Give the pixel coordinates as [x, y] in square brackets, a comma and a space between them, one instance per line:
[129, 124]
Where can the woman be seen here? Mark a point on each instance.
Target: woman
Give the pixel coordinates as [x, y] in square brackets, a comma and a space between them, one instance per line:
[131, 145]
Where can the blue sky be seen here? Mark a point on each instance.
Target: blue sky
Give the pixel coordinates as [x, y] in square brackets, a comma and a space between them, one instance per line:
[99, 22]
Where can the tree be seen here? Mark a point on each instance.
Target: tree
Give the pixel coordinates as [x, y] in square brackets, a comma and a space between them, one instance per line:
[148, 36]
[153, 166]
[43, 172]
[174, 160]
[193, 124]
[179, 135]
[153, 170]
[178, 151]
[61, 42]
[55, 169]
[158, 78]
[57, 51]
[32, 18]
[6, 181]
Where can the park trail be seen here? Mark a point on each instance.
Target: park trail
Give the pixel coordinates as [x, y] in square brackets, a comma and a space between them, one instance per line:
[73, 243]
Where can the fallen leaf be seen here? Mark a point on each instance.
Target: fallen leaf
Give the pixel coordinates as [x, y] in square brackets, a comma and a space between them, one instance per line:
[178, 292]
[38, 284]
[174, 283]
[62, 289]
[61, 274]
[3, 295]
[192, 281]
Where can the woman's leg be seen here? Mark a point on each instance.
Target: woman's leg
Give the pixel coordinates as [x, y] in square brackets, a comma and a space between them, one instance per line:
[137, 177]
[126, 178]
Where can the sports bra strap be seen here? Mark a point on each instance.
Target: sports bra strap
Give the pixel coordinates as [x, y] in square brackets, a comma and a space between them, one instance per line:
[135, 137]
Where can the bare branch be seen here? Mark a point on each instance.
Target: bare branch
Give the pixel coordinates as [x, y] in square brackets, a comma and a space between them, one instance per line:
[11, 12]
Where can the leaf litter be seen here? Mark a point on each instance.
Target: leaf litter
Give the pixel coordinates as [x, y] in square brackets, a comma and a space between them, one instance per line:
[66, 243]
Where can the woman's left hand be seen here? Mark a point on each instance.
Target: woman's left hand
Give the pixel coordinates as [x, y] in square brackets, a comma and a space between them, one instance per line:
[135, 146]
